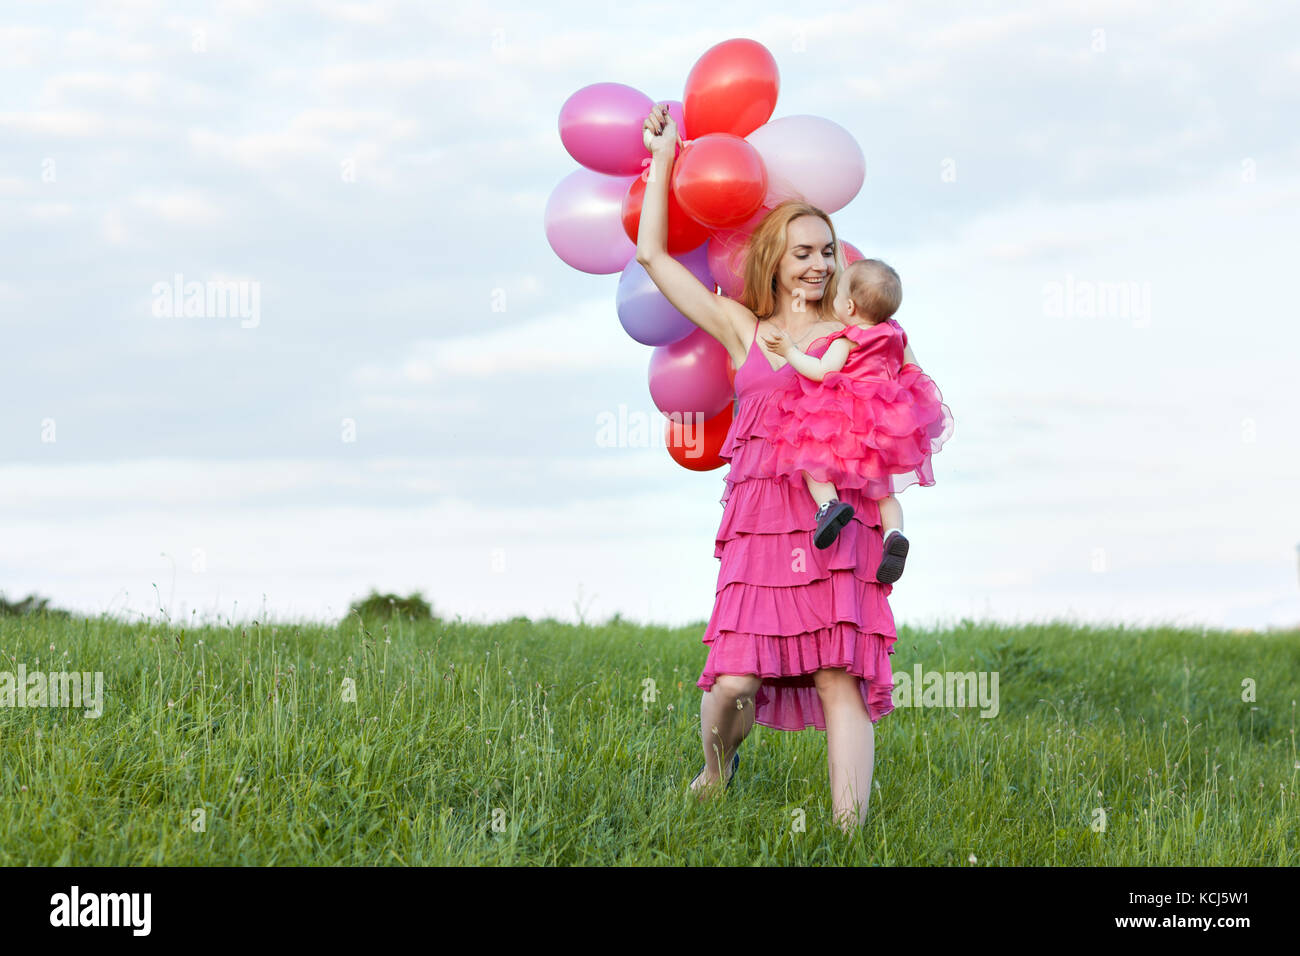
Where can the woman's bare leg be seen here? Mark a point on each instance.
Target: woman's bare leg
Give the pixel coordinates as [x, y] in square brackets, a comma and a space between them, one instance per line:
[726, 718]
[850, 744]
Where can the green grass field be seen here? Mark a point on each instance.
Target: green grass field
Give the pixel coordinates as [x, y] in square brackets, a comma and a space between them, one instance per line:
[534, 743]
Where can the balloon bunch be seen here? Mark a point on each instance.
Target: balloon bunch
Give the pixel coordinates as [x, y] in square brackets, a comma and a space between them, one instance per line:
[736, 165]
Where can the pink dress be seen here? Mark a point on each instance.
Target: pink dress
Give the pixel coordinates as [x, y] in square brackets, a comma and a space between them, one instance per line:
[783, 608]
[873, 425]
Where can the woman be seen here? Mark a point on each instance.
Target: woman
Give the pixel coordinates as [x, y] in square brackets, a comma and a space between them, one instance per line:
[798, 636]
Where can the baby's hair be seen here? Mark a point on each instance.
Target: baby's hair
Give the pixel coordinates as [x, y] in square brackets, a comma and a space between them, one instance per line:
[874, 288]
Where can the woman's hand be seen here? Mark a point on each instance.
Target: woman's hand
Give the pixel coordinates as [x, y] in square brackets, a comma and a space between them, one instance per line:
[659, 132]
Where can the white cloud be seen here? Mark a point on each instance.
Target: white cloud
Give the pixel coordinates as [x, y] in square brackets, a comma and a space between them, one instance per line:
[72, 124]
[140, 88]
[585, 337]
[189, 206]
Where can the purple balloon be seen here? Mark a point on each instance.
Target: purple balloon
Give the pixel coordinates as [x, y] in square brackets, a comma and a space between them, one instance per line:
[690, 377]
[601, 124]
[646, 315]
[584, 222]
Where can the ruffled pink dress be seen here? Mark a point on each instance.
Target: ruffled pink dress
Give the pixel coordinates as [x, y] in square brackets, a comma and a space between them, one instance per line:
[783, 608]
[874, 425]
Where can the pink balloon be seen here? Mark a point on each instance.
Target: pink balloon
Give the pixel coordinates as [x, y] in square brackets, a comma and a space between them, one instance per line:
[600, 126]
[690, 376]
[678, 112]
[851, 252]
[727, 249]
[809, 158]
[584, 222]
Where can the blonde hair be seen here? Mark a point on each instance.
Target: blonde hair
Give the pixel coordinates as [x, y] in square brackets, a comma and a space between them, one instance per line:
[875, 289]
[763, 254]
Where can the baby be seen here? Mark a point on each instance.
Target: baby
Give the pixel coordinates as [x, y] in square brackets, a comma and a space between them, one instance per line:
[872, 423]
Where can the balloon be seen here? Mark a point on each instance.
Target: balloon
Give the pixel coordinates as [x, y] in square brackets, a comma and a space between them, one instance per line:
[727, 250]
[690, 376]
[601, 124]
[583, 223]
[727, 264]
[678, 113]
[684, 233]
[851, 252]
[731, 89]
[695, 443]
[809, 158]
[644, 312]
[719, 180]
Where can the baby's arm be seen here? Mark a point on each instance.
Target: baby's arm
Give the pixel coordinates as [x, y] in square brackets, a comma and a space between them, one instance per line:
[818, 368]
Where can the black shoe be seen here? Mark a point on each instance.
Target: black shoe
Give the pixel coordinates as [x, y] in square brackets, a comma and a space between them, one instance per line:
[831, 517]
[735, 765]
[891, 565]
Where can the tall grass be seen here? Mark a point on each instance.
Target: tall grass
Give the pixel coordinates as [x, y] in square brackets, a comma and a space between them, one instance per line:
[539, 742]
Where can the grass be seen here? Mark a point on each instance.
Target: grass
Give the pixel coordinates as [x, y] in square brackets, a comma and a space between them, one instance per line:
[542, 743]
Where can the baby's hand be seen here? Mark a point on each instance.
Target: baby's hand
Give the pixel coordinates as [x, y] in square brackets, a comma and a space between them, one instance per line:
[775, 341]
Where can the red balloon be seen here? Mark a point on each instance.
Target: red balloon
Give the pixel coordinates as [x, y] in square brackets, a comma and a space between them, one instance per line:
[851, 252]
[720, 180]
[684, 233]
[731, 89]
[695, 444]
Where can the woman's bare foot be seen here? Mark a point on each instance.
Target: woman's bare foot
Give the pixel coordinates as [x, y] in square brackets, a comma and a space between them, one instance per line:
[704, 783]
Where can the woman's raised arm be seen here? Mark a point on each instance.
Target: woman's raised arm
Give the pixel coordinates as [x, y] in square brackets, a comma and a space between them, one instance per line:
[726, 320]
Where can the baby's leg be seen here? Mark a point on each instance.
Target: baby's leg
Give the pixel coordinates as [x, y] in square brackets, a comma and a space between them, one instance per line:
[894, 555]
[821, 491]
[891, 515]
[830, 518]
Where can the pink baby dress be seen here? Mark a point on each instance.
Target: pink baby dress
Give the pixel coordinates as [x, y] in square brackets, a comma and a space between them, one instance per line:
[874, 425]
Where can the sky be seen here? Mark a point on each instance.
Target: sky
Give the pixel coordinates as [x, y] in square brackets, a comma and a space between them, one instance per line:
[410, 397]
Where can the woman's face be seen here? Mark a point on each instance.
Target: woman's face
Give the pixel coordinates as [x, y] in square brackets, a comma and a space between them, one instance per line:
[809, 259]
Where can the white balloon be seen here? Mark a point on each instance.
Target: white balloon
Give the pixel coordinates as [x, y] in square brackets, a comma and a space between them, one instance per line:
[809, 158]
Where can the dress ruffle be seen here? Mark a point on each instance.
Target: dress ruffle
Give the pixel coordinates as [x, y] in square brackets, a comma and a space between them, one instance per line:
[784, 609]
[874, 432]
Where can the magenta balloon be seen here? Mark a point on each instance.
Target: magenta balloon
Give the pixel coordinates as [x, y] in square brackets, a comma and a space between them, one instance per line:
[690, 376]
[727, 263]
[584, 222]
[727, 250]
[644, 312]
[600, 126]
[809, 158]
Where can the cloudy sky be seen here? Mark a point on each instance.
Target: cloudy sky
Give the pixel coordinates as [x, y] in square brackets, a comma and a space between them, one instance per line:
[377, 173]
